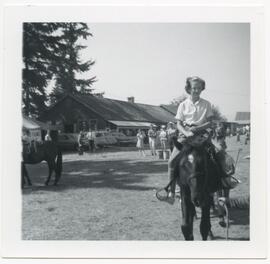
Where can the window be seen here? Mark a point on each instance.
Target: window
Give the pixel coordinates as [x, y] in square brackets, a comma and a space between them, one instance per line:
[93, 124]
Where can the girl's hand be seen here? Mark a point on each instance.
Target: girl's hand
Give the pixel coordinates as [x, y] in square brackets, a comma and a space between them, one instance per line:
[189, 134]
[193, 129]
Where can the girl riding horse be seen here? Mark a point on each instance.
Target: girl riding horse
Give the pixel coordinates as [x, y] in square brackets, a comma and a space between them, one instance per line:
[193, 115]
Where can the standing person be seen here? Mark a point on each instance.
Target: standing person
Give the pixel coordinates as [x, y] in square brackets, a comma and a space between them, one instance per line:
[237, 134]
[152, 135]
[172, 134]
[247, 128]
[193, 115]
[163, 138]
[228, 132]
[80, 143]
[140, 143]
[247, 135]
[220, 137]
[47, 136]
[26, 140]
[91, 140]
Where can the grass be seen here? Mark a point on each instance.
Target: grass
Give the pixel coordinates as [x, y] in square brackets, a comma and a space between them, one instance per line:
[111, 196]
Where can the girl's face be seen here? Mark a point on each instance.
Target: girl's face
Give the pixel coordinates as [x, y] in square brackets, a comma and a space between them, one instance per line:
[196, 89]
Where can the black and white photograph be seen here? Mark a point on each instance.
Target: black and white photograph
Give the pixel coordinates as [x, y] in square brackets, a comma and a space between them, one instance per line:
[144, 129]
[130, 130]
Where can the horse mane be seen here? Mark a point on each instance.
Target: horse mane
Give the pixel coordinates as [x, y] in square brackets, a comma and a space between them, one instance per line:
[210, 166]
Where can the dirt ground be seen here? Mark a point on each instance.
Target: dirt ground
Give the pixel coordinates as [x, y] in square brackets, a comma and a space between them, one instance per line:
[110, 195]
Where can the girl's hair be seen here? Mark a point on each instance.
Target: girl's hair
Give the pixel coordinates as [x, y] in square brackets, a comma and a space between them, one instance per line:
[194, 79]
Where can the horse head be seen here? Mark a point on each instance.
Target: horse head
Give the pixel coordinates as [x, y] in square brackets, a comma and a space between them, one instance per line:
[193, 173]
[198, 178]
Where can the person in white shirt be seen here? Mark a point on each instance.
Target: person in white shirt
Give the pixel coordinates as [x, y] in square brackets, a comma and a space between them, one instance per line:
[193, 115]
[91, 140]
[152, 135]
[26, 140]
[140, 142]
[47, 136]
[163, 137]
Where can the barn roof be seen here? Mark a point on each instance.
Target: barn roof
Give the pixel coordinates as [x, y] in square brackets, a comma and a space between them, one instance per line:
[111, 109]
[242, 118]
[172, 108]
[30, 124]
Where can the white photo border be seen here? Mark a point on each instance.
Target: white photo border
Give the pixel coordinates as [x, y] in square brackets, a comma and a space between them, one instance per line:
[13, 246]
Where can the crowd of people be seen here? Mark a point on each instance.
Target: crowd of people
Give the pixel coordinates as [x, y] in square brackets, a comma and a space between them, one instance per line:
[30, 143]
[157, 138]
[161, 138]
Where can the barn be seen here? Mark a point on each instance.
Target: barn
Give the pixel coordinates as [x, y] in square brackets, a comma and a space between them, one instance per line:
[82, 112]
[37, 129]
[242, 118]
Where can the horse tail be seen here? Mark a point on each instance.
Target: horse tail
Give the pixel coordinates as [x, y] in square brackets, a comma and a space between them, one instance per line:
[59, 162]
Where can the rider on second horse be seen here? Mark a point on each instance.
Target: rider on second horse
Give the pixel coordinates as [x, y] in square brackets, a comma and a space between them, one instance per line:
[194, 116]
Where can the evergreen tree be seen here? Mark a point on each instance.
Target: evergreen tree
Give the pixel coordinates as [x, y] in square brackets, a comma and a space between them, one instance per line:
[69, 65]
[51, 51]
[40, 47]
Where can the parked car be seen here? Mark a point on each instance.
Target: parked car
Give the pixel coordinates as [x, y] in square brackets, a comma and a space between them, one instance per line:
[104, 138]
[122, 139]
[69, 141]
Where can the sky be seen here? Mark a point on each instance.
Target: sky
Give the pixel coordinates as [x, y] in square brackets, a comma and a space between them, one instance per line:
[151, 61]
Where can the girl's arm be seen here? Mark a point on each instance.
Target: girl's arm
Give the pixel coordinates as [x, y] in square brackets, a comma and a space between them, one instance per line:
[204, 126]
[182, 129]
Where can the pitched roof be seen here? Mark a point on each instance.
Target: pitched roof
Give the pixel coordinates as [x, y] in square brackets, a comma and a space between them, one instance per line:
[157, 112]
[172, 108]
[30, 124]
[240, 116]
[111, 109]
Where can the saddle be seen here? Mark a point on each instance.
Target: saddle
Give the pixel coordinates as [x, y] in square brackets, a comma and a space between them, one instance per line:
[224, 162]
[199, 139]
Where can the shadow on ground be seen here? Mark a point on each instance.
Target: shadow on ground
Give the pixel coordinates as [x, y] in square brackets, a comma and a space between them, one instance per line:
[123, 174]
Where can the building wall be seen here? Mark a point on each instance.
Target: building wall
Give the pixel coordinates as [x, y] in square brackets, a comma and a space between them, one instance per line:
[73, 117]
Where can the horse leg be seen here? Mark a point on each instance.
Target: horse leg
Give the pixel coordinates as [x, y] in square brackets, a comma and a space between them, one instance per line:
[205, 225]
[25, 174]
[22, 175]
[51, 168]
[188, 212]
[57, 176]
[58, 167]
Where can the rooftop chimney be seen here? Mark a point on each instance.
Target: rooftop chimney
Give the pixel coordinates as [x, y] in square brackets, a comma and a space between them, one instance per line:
[131, 99]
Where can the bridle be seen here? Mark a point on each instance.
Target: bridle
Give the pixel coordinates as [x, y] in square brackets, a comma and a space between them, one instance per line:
[195, 176]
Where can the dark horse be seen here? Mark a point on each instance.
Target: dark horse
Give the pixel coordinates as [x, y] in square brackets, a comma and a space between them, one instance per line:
[47, 151]
[198, 178]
